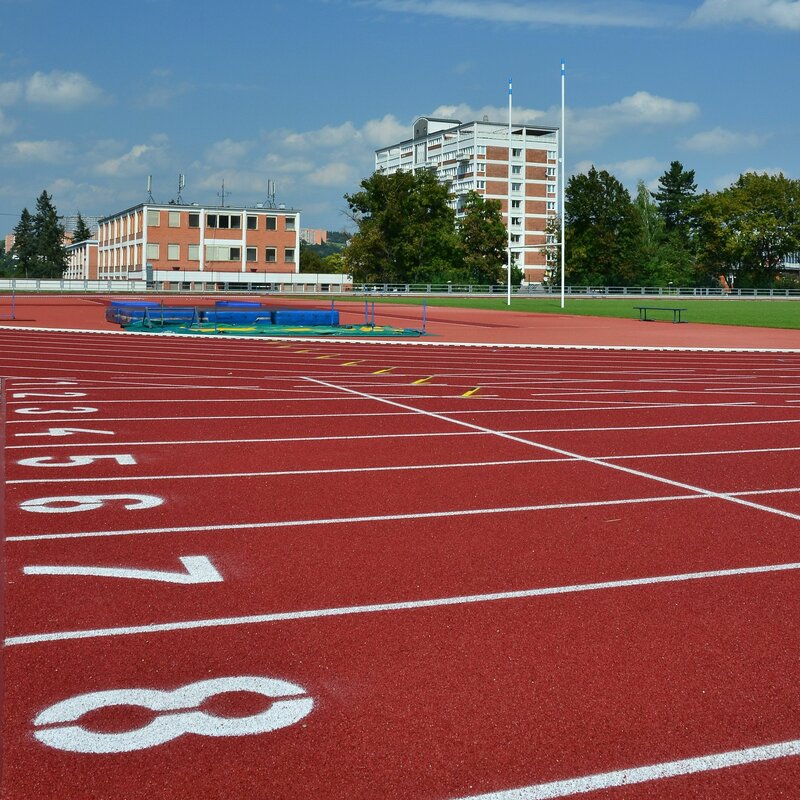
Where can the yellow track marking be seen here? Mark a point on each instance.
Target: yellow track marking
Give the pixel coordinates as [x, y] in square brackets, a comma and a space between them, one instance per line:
[382, 371]
[352, 363]
[471, 392]
[421, 380]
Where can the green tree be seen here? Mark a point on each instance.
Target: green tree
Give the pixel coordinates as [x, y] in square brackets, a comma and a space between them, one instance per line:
[676, 196]
[49, 235]
[748, 229]
[82, 231]
[24, 250]
[603, 231]
[406, 229]
[483, 240]
[666, 257]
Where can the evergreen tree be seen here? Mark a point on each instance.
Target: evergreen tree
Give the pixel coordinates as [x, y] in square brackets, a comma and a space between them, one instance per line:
[49, 236]
[484, 241]
[676, 196]
[82, 231]
[24, 250]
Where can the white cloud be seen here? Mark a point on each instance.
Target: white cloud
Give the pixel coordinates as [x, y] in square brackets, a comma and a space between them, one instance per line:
[380, 132]
[227, 152]
[720, 140]
[336, 173]
[61, 89]
[617, 14]
[6, 125]
[327, 136]
[519, 114]
[773, 13]
[136, 161]
[10, 92]
[629, 171]
[42, 152]
[590, 126]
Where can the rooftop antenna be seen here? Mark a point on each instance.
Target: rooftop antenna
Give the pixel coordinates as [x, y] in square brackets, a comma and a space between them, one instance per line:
[270, 203]
[223, 193]
[150, 189]
[181, 184]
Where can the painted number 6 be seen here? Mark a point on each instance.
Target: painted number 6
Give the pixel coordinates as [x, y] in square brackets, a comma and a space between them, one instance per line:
[291, 704]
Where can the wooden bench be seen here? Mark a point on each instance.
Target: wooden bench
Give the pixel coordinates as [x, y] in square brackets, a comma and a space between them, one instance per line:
[676, 312]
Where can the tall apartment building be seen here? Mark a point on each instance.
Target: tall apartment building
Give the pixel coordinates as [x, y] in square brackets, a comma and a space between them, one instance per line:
[171, 244]
[477, 156]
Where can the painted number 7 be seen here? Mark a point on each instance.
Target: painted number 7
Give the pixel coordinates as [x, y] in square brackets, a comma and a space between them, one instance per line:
[199, 569]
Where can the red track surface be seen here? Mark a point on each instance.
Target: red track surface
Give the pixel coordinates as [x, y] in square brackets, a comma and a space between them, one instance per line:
[488, 570]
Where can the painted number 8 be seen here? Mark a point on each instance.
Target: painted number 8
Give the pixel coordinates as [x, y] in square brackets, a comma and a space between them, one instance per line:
[290, 706]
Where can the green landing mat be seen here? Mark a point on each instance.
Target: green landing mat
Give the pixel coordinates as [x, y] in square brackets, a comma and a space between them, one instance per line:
[210, 329]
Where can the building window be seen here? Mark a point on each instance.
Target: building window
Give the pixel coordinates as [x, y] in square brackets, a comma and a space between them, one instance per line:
[271, 254]
[288, 255]
[515, 238]
[481, 149]
[152, 250]
[551, 187]
[551, 205]
[153, 218]
[252, 223]
[272, 223]
[516, 152]
[551, 172]
[218, 252]
[174, 219]
[194, 220]
[251, 252]
[211, 220]
[481, 184]
[236, 221]
[481, 166]
[173, 252]
[516, 170]
[236, 253]
[516, 204]
[194, 252]
[515, 187]
[290, 223]
[516, 220]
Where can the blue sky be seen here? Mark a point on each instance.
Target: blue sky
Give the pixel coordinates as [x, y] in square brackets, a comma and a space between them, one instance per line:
[96, 96]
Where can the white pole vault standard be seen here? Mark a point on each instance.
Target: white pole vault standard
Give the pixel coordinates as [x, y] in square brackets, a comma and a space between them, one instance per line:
[563, 165]
[508, 210]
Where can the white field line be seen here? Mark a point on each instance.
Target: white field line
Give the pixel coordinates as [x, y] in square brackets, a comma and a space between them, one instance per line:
[408, 605]
[164, 336]
[399, 468]
[464, 512]
[586, 459]
[657, 407]
[635, 775]
[351, 437]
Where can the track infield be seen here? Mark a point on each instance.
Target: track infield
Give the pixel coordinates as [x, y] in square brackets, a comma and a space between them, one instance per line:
[270, 569]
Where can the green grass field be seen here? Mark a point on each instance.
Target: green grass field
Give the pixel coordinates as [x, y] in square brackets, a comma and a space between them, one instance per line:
[725, 311]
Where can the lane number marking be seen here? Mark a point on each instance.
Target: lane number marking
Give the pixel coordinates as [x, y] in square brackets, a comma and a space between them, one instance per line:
[87, 502]
[123, 459]
[73, 410]
[66, 432]
[291, 704]
[199, 569]
[21, 395]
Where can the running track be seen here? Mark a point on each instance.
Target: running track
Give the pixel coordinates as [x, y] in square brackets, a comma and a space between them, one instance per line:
[408, 572]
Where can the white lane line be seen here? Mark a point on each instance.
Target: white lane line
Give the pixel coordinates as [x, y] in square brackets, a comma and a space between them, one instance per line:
[398, 468]
[652, 772]
[569, 454]
[406, 605]
[389, 435]
[460, 512]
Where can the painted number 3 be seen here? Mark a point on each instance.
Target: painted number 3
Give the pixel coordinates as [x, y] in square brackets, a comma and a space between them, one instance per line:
[177, 713]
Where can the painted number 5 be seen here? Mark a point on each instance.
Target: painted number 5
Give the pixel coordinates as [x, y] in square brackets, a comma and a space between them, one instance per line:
[291, 704]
